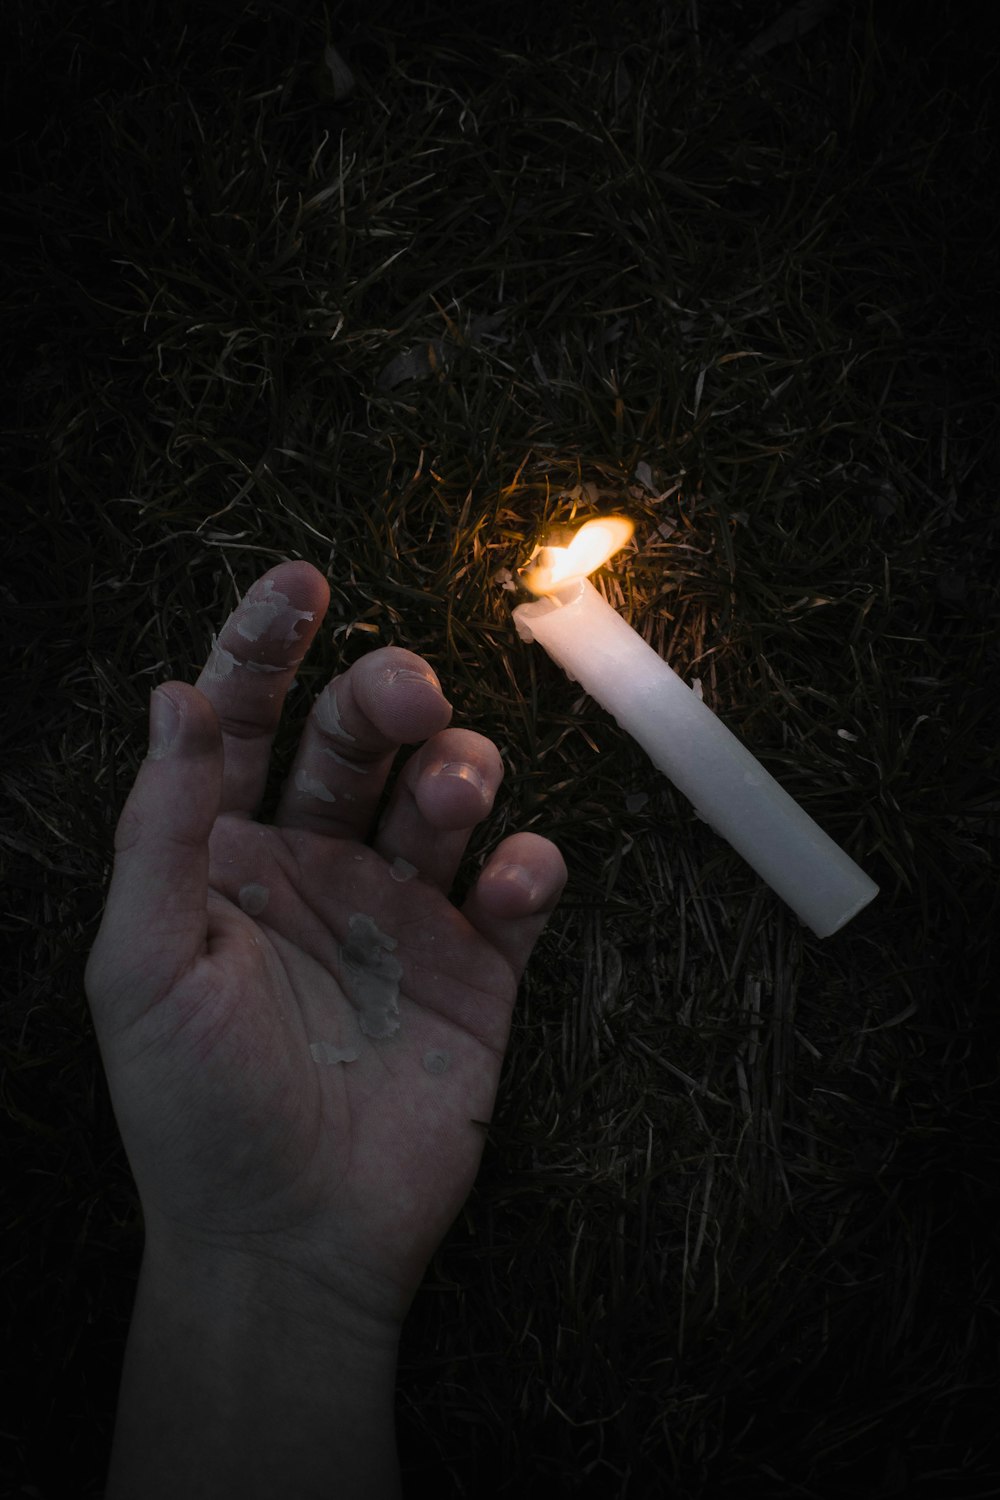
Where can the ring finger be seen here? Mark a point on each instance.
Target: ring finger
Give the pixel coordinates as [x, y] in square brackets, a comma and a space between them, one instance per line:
[442, 793]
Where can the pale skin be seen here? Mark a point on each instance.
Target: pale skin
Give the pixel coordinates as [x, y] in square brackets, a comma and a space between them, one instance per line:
[292, 1204]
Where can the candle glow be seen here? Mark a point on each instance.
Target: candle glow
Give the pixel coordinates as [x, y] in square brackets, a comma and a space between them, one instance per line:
[730, 790]
[593, 544]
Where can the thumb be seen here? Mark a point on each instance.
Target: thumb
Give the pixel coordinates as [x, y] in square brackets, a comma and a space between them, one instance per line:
[155, 919]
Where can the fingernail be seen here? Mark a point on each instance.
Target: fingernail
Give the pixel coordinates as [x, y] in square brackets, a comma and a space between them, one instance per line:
[406, 674]
[464, 772]
[164, 722]
[518, 875]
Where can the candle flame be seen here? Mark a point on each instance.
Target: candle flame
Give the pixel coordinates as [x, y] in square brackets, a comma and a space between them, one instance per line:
[552, 568]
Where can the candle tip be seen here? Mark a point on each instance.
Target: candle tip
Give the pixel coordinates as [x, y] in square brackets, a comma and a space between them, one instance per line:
[552, 568]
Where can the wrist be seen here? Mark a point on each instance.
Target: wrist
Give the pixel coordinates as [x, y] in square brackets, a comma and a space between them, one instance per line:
[245, 1377]
[242, 1285]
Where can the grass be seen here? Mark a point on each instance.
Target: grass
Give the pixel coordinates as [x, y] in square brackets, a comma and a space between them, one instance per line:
[736, 1223]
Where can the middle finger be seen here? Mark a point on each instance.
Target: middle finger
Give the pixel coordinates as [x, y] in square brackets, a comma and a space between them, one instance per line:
[358, 723]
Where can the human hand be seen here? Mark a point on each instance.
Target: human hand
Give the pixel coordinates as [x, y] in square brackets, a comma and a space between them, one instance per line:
[302, 1034]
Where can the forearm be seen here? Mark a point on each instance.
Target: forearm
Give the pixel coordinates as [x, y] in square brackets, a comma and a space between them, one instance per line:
[240, 1383]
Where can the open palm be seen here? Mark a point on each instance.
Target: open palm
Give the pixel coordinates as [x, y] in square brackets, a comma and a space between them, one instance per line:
[302, 1034]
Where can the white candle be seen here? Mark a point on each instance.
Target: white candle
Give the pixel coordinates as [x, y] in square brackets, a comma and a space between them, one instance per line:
[730, 790]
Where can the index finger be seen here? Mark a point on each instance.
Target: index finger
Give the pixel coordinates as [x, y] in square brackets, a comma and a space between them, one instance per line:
[252, 665]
